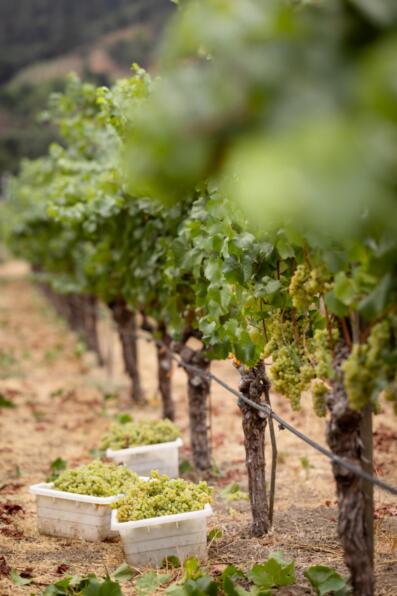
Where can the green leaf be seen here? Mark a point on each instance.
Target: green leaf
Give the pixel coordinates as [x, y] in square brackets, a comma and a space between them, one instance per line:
[57, 466]
[176, 590]
[52, 590]
[233, 572]
[326, 580]
[215, 534]
[232, 271]
[150, 581]
[213, 271]
[344, 288]
[226, 296]
[123, 418]
[191, 567]
[123, 573]
[335, 306]
[274, 573]
[233, 492]
[244, 241]
[203, 586]
[206, 585]
[255, 591]
[172, 562]
[229, 577]
[245, 351]
[18, 580]
[6, 403]
[273, 286]
[185, 467]
[232, 589]
[64, 583]
[285, 249]
[97, 588]
[375, 303]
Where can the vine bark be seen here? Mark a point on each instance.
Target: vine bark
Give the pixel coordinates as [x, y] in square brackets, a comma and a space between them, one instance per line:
[164, 372]
[198, 392]
[254, 384]
[81, 313]
[343, 437]
[126, 327]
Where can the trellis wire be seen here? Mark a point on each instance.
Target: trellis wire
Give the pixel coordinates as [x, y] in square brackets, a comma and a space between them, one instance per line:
[271, 414]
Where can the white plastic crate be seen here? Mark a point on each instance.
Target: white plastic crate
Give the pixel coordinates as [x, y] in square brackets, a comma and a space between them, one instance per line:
[70, 515]
[163, 457]
[148, 541]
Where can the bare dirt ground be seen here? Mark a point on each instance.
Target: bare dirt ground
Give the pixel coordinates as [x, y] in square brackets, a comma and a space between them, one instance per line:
[62, 407]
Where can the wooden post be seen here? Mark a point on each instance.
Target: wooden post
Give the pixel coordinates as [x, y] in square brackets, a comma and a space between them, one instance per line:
[368, 487]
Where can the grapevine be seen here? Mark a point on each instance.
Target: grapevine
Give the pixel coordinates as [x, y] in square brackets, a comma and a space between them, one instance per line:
[275, 233]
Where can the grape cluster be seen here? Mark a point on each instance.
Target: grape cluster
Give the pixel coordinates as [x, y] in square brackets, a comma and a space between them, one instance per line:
[306, 285]
[319, 391]
[96, 479]
[371, 367]
[291, 371]
[289, 375]
[161, 495]
[322, 352]
[143, 432]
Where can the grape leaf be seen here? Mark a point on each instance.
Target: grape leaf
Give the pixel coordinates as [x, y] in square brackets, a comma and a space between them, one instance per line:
[18, 580]
[150, 581]
[123, 573]
[326, 580]
[274, 573]
[6, 403]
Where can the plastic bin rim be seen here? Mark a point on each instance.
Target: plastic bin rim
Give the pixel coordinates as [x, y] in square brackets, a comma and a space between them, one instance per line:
[45, 489]
[162, 519]
[144, 448]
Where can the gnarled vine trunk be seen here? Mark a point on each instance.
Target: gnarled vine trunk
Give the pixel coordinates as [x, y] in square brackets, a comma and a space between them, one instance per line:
[89, 325]
[254, 383]
[58, 301]
[198, 392]
[343, 436]
[126, 327]
[164, 372]
[74, 316]
[81, 313]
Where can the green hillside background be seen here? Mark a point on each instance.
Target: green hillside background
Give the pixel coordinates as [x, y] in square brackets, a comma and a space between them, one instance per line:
[41, 41]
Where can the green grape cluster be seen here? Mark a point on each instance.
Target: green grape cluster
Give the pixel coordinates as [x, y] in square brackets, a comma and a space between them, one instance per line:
[371, 367]
[96, 479]
[289, 377]
[143, 432]
[319, 391]
[161, 495]
[306, 285]
[291, 371]
[322, 352]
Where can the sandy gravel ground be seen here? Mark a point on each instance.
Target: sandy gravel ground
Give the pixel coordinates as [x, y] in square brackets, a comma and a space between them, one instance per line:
[62, 407]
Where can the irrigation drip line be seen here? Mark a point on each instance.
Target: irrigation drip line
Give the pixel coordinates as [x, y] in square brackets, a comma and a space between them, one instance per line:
[270, 413]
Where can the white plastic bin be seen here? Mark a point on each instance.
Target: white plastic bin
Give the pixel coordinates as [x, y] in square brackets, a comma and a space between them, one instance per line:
[163, 457]
[70, 515]
[148, 541]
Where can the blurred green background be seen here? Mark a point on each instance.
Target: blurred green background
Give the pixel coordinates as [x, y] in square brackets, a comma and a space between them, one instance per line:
[43, 40]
